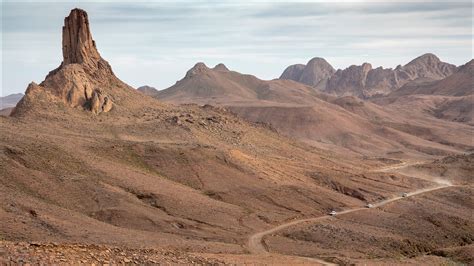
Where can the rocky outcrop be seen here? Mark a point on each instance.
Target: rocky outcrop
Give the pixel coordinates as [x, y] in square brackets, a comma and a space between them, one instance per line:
[293, 72]
[349, 79]
[84, 79]
[78, 46]
[35, 97]
[316, 72]
[364, 81]
[425, 66]
[100, 102]
[460, 83]
[382, 81]
[196, 70]
[200, 68]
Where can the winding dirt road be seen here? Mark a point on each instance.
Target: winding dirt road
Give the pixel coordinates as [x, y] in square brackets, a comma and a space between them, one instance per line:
[256, 244]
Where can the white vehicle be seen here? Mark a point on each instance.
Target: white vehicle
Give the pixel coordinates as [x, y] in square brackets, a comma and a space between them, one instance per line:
[369, 205]
[332, 213]
[405, 195]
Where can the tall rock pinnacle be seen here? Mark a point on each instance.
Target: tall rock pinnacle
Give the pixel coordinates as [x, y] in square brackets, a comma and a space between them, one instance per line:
[78, 45]
[84, 79]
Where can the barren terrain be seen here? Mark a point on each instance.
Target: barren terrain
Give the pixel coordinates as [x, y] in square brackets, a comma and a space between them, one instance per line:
[320, 235]
[438, 125]
[94, 171]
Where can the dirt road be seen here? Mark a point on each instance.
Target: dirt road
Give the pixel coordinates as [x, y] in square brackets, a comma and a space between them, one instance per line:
[257, 246]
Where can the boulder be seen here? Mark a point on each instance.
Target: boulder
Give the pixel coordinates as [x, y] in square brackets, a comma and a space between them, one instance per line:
[100, 102]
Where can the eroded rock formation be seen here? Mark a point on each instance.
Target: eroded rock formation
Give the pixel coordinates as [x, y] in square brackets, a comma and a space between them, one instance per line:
[78, 46]
[84, 79]
[316, 72]
[364, 81]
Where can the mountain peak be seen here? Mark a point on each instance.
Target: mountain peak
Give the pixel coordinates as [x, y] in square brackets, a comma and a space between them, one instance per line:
[427, 66]
[198, 68]
[426, 59]
[429, 55]
[468, 67]
[221, 67]
[78, 45]
[367, 66]
[316, 70]
[317, 60]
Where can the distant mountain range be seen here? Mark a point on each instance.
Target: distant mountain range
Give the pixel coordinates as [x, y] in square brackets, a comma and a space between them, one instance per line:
[218, 84]
[10, 100]
[326, 119]
[460, 83]
[364, 81]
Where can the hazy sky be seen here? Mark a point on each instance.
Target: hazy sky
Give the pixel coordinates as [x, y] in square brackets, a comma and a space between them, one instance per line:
[155, 43]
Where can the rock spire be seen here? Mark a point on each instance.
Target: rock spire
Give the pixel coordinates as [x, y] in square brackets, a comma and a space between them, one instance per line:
[78, 45]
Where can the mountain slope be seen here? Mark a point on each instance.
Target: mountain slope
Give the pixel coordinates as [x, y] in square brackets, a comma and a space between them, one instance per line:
[293, 72]
[338, 124]
[460, 83]
[205, 85]
[449, 99]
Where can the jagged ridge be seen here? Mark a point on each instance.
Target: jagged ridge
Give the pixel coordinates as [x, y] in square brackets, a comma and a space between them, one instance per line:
[364, 81]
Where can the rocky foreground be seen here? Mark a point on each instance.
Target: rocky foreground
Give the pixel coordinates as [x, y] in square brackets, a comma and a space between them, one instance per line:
[53, 253]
